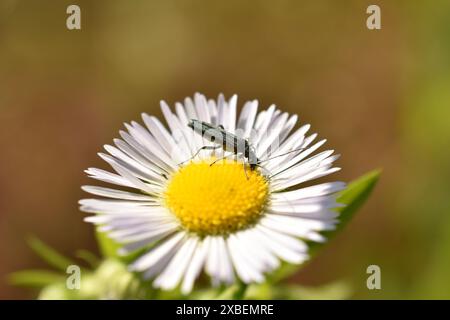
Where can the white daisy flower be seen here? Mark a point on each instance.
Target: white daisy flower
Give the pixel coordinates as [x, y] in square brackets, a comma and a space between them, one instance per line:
[229, 220]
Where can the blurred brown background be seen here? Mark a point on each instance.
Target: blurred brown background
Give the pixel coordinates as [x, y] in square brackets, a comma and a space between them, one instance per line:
[380, 97]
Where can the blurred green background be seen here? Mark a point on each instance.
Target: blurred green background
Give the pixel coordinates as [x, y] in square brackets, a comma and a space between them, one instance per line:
[382, 98]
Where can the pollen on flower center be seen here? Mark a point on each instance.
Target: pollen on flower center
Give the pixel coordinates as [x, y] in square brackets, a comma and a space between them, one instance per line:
[216, 199]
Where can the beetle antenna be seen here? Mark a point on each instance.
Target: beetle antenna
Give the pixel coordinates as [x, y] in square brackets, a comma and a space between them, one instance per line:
[280, 155]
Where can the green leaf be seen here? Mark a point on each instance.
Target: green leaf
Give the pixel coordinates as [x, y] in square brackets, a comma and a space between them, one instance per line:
[262, 291]
[353, 197]
[205, 293]
[234, 292]
[91, 259]
[34, 278]
[108, 247]
[48, 254]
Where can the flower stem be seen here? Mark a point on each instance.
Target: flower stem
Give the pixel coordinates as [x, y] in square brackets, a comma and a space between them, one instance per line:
[240, 291]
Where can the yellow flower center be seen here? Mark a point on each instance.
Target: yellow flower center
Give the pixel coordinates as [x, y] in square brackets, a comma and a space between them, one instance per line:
[216, 199]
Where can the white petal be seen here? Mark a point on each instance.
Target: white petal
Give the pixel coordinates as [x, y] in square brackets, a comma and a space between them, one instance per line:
[145, 240]
[140, 158]
[109, 177]
[112, 223]
[189, 106]
[144, 138]
[140, 232]
[106, 204]
[293, 142]
[187, 114]
[181, 113]
[164, 249]
[310, 192]
[297, 227]
[321, 172]
[212, 267]
[173, 273]
[152, 158]
[290, 124]
[246, 268]
[127, 174]
[181, 133]
[231, 127]
[116, 194]
[261, 128]
[319, 160]
[132, 165]
[299, 157]
[222, 111]
[162, 136]
[250, 244]
[247, 117]
[292, 207]
[213, 112]
[194, 267]
[134, 241]
[293, 253]
[226, 268]
[315, 236]
[273, 135]
[202, 108]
